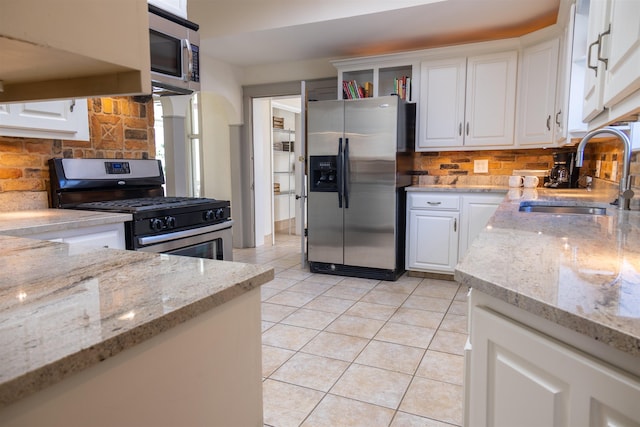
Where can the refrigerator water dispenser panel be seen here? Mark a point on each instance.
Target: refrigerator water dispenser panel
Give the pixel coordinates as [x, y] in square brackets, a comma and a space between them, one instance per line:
[324, 173]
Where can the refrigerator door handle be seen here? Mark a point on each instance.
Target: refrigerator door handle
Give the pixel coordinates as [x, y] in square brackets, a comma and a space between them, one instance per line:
[340, 172]
[347, 173]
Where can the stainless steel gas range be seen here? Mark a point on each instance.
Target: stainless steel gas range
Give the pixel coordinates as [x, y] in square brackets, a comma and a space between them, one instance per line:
[196, 227]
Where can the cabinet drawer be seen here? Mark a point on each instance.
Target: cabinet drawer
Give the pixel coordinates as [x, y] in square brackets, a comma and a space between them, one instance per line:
[433, 201]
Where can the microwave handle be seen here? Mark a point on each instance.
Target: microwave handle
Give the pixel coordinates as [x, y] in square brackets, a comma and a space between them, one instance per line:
[187, 76]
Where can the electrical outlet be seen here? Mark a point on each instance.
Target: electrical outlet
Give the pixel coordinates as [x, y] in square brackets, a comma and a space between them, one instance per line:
[598, 166]
[481, 166]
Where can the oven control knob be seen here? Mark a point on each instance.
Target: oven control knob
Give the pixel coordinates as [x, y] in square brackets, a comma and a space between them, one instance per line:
[170, 222]
[156, 224]
[220, 213]
[209, 215]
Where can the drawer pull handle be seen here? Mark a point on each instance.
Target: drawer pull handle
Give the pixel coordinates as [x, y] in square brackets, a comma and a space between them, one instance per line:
[434, 203]
[455, 225]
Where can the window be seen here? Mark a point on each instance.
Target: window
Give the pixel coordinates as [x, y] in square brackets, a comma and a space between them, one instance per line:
[192, 144]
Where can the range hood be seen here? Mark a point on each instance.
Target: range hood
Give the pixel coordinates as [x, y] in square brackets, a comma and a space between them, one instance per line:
[73, 49]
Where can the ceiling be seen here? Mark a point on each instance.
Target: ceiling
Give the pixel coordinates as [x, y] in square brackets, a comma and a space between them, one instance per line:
[257, 32]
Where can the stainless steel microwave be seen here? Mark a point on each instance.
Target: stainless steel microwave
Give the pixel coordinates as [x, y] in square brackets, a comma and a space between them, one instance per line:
[175, 53]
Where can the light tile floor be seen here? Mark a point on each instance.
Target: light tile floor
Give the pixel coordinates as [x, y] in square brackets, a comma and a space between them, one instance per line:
[340, 351]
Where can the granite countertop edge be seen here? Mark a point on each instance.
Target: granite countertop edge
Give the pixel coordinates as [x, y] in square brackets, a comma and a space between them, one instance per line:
[30, 222]
[458, 188]
[610, 331]
[603, 333]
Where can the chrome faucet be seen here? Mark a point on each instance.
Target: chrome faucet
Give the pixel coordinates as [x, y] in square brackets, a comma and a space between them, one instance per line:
[625, 193]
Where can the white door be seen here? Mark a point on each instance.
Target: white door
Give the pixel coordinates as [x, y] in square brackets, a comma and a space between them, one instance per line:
[432, 240]
[537, 94]
[520, 377]
[594, 73]
[491, 99]
[66, 119]
[442, 94]
[623, 70]
[476, 212]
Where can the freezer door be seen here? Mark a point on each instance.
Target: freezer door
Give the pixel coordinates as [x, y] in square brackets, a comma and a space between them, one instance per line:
[324, 216]
[370, 184]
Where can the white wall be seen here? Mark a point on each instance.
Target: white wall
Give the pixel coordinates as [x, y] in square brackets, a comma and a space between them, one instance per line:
[263, 186]
[216, 148]
[289, 71]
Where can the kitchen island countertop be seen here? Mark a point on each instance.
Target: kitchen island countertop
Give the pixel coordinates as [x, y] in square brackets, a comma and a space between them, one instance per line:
[579, 271]
[66, 308]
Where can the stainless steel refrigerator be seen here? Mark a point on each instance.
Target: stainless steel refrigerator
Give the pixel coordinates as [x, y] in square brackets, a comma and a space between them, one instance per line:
[359, 163]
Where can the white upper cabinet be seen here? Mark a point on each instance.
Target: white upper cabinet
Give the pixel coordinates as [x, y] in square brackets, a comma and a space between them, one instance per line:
[73, 49]
[612, 79]
[177, 7]
[594, 75]
[623, 64]
[468, 102]
[50, 119]
[491, 99]
[571, 71]
[442, 95]
[537, 94]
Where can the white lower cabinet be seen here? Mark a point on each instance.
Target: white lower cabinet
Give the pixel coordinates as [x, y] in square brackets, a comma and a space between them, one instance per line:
[518, 376]
[442, 225]
[433, 241]
[477, 209]
[100, 236]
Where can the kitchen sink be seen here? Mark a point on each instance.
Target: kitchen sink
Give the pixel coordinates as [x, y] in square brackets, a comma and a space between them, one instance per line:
[562, 209]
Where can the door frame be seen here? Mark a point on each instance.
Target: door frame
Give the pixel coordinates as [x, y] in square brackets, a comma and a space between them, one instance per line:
[243, 191]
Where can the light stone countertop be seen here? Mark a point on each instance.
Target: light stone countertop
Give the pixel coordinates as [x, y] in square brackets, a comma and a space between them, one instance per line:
[65, 308]
[579, 271]
[458, 188]
[25, 223]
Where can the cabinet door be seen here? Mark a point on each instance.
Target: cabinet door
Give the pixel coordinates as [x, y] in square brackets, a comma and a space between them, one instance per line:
[520, 377]
[432, 240]
[102, 239]
[66, 119]
[476, 212]
[623, 71]
[442, 94]
[100, 236]
[491, 98]
[537, 93]
[594, 74]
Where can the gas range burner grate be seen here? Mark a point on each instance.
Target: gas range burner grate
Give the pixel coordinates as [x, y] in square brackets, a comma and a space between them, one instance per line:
[146, 203]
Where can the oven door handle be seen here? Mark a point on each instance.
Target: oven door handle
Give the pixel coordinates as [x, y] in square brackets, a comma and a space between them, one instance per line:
[150, 240]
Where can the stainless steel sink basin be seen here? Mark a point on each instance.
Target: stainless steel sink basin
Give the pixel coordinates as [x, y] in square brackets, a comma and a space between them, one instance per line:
[560, 209]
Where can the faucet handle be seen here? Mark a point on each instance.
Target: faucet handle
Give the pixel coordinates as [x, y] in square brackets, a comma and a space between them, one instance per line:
[628, 194]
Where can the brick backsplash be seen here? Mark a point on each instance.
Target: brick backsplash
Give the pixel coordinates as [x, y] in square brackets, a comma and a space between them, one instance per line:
[119, 127]
[501, 162]
[448, 164]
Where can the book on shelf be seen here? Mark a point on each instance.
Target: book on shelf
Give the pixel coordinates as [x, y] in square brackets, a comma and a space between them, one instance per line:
[403, 87]
[352, 90]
